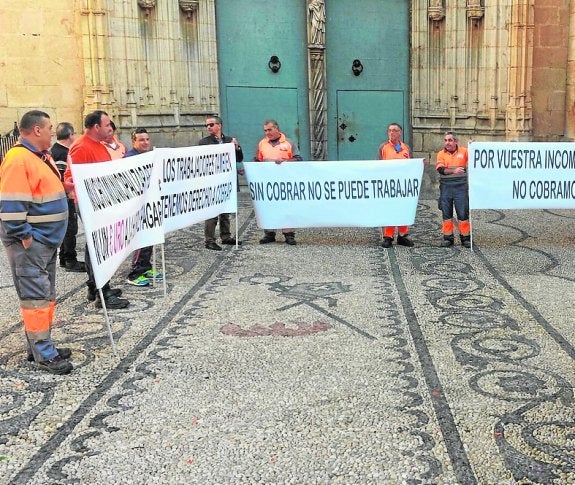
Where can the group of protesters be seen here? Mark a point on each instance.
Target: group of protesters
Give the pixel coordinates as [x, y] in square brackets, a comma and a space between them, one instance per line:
[38, 210]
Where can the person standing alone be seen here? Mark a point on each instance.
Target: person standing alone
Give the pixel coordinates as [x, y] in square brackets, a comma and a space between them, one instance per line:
[215, 137]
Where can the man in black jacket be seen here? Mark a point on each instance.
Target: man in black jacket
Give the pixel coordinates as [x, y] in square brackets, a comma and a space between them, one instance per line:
[215, 137]
[65, 136]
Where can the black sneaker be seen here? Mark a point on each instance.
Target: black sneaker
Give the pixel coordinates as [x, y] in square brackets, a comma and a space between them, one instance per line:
[112, 302]
[267, 239]
[231, 241]
[213, 246]
[75, 266]
[57, 365]
[107, 292]
[386, 243]
[404, 241]
[64, 352]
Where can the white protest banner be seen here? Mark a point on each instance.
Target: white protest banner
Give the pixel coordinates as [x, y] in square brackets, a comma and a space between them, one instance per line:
[367, 193]
[197, 183]
[521, 175]
[120, 207]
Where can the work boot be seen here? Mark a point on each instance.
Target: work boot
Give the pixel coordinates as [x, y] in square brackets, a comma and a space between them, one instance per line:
[107, 292]
[447, 241]
[290, 238]
[64, 352]
[112, 302]
[404, 241]
[57, 365]
[268, 238]
[386, 243]
[75, 266]
[465, 241]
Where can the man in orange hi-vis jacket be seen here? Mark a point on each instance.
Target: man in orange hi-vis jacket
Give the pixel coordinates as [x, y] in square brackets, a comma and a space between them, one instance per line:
[452, 167]
[394, 149]
[34, 215]
[276, 147]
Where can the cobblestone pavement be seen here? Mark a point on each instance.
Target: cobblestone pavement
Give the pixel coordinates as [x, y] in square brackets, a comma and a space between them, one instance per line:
[334, 361]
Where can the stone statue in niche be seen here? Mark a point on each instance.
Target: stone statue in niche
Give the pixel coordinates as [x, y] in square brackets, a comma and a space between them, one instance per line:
[317, 22]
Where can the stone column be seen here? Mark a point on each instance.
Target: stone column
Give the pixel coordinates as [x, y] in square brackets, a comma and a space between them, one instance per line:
[317, 79]
[519, 109]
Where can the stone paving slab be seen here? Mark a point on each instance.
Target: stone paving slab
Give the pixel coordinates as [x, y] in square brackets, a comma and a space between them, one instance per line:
[334, 361]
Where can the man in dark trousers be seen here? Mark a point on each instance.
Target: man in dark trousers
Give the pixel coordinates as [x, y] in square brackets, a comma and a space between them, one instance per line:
[88, 148]
[215, 137]
[65, 136]
[142, 271]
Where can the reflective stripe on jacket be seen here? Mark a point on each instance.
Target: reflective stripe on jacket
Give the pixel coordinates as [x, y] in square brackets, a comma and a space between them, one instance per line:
[32, 199]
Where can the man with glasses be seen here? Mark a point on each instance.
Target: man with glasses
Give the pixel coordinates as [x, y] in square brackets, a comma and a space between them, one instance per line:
[394, 149]
[142, 271]
[215, 137]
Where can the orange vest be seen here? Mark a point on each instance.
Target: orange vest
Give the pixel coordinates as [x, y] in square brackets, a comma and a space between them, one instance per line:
[280, 151]
[452, 160]
[387, 151]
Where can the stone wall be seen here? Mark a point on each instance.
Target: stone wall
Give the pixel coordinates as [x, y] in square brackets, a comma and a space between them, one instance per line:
[40, 65]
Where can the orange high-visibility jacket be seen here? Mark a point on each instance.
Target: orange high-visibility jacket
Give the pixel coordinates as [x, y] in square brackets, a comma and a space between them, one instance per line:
[283, 150]
[32, 198]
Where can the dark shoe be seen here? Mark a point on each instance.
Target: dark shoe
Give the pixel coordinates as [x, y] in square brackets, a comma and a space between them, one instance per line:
[212, 245]
[75, 266]
[64, 352]
[267, 239]
[62, 263]
[107, 293]
[112, 302]
[386, 243]
[57, 365]
[231, 241]
[465, 241]
[290, 238]
[404, 241]
[447, 241]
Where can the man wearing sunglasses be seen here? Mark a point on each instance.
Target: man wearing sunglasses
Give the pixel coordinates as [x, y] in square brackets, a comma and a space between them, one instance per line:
[215, 137]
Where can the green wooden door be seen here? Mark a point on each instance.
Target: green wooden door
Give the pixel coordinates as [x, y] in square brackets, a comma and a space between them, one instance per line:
[280, 104]
[249, 33]
[376, 33]
[362, 116]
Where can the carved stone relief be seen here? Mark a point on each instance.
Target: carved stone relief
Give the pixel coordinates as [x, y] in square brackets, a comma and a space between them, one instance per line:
[317, 79]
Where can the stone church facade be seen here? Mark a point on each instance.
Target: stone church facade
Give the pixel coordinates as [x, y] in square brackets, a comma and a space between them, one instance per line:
[489, 69]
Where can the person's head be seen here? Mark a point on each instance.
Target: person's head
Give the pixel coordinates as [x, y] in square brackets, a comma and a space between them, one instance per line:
[272, 129]
[214, 126]
[36, 128]
[450, 141]
[65, 133]
[98, 125]
[141, 140]
[394, 132]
